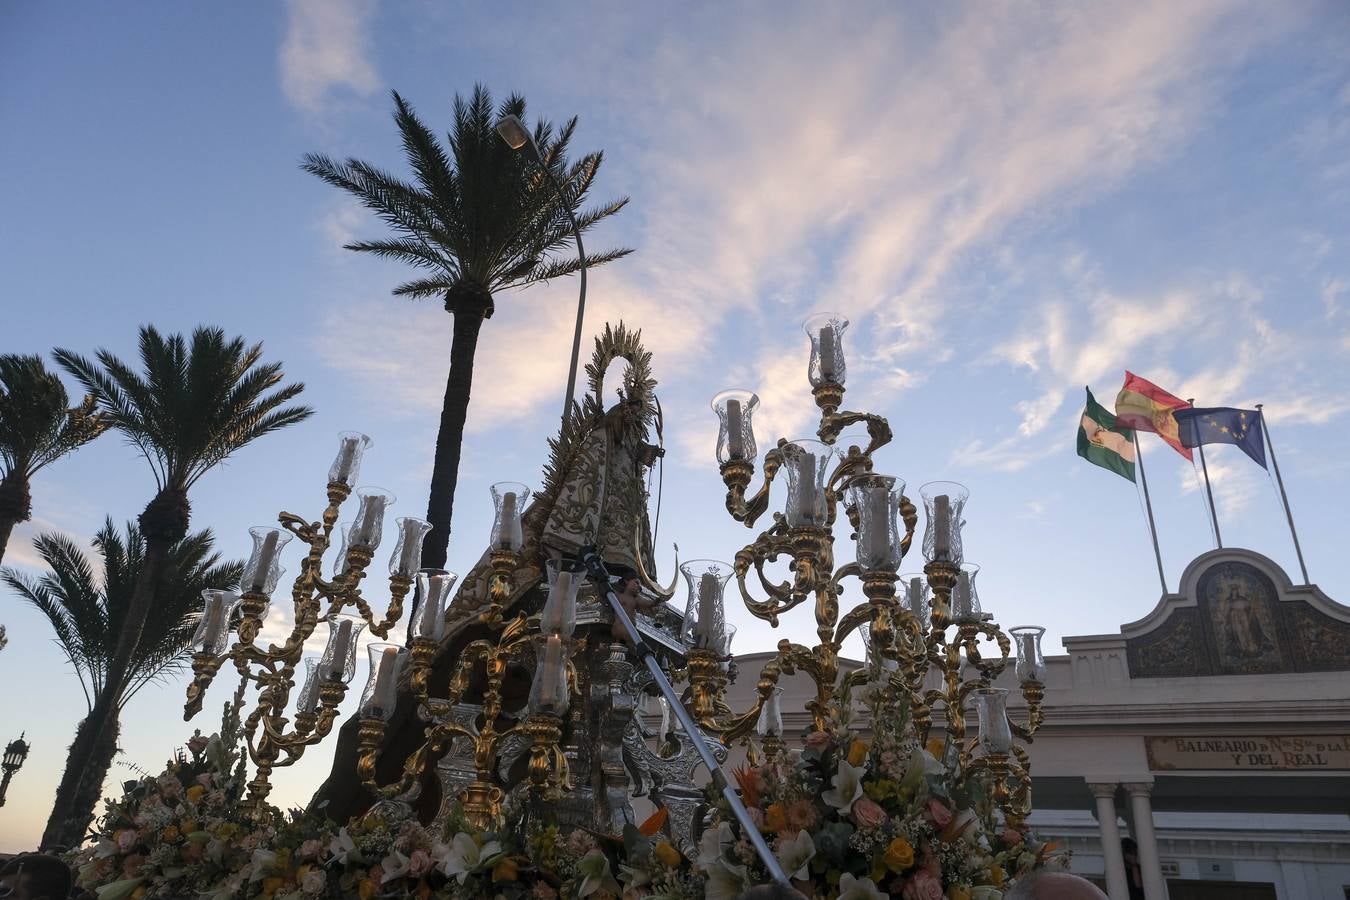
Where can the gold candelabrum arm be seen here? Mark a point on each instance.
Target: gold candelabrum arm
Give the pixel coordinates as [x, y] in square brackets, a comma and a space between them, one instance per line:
[737, 474]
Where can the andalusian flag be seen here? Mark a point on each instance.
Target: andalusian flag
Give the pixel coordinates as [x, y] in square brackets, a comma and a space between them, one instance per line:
[1103, 442]
[1144, 406]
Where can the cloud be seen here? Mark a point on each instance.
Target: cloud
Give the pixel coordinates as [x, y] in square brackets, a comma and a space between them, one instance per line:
[326, 48]
[1235, 482]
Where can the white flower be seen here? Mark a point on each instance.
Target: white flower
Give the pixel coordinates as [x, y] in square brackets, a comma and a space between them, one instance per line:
[926, 762]
[851, 888]
[119, 890]
[464, 856]
[725, 881]
[796, 855]
[106, 847]
[846, 787]
[262, 859]
[395, 865]
[594, 869]
[341, 846]
[714, 844]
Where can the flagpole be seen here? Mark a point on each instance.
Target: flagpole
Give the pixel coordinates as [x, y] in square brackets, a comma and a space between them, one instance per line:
[1213, 513]
[1148, 505]
[1284, 498]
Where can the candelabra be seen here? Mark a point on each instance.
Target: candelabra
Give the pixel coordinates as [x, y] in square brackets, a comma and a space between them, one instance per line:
[908, 635]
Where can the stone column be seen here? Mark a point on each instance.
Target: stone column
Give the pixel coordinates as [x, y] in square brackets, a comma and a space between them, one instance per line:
[1155, 886]
[1105, 794]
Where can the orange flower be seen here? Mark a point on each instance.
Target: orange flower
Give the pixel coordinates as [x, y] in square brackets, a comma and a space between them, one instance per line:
[272, 884]
[936, 746]
[189, 826]
[748, 781]
[654, 822]
[505, 870]
[997, 875]
[958, 892]
[666, 854]
[857, 752]
[170, 833]
[899, 855]
[194, 794]
[775, 817]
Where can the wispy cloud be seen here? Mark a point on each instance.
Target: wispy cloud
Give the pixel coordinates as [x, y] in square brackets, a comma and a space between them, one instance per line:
[326, 49]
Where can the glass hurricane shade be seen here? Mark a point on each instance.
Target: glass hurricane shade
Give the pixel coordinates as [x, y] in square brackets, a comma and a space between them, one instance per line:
[991, 705]
[874, 659]
[548, 688]
[559, 615]
[724, 646]
[826, 331]
[965, 596]
[338, 662]
[1030, 662]
[916, 601]
[340, 561]
[770, 722]
[367, 529]
[735, 433]
[944, 502]
[433, 595]
[263, 569]
[806, 463]
[213, 631]
[877, 500]
[308, 701]
[352, 445]
[381, 694]
[407, 556]
[16, 751]
[704, 623]
[508, 502]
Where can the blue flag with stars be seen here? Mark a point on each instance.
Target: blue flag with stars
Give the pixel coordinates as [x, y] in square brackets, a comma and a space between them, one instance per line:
[1223, 425]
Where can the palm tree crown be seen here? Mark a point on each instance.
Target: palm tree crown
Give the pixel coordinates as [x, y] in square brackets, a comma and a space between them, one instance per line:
[479, 216]
[87, 613]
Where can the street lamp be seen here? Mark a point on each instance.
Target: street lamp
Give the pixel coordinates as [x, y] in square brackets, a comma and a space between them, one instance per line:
[517, 137]
[15, 753]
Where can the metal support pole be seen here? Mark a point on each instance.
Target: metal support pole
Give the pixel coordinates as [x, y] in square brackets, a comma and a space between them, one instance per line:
[1213, 513]
[1284, 498]
[581, 299]
[1148, 505]
[596, 567]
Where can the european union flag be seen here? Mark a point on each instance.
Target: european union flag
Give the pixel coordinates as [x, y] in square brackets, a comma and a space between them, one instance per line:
[1223, 425]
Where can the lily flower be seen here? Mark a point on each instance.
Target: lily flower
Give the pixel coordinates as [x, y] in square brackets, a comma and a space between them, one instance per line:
[795, 856]
[464, 856]
[725, 881]
[846, 787]
[851, 888]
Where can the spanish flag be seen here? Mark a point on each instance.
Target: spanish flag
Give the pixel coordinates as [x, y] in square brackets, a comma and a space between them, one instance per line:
[1144, 406]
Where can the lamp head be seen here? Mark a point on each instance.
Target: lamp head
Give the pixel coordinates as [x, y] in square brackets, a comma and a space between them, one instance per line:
[514, 132]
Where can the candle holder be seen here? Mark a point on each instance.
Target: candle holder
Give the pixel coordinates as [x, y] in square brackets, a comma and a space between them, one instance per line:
[944, 502]
[263, 569]
[735, 434]
[826, 369]
[704, 620]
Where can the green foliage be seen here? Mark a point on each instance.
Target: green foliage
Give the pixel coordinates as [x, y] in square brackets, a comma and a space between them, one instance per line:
[37, 427]
[477, 214]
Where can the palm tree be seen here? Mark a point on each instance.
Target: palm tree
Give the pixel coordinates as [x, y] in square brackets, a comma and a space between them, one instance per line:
[87, 617]
[37, 428]
[193, 407]
[477, 218]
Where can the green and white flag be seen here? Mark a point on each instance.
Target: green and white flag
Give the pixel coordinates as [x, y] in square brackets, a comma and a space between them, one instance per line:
[1104, 443]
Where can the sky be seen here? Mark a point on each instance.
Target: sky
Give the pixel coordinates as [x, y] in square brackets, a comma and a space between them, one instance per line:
[1009, 201]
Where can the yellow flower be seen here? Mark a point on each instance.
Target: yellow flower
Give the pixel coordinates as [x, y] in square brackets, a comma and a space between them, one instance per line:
[139, 893]
[899, 855]
[666, 854]
[997, 875]
[775, 817]
[958, 892]
[189, 826]
[272, 884]
[505, 870]
[857, 752]
[367, 888]
[194, 794]
[170, 833]
[936, 746]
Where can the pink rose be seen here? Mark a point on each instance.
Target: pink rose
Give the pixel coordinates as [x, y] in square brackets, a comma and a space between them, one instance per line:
[314, 882]
[938, 814]
[868, 814]
[197, 743]
[126, 839]
[170, 786]
[1012, 836]
[801, 814]
[311, 849]
[817, 740]
[923, 885]
[420, 863]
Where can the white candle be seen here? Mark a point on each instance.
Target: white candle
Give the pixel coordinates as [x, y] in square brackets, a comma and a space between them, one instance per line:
[915, 596]
[942, 527]
[309, 694]
[509, 535]
[412, 547]
[961, 606]
[707, 609]
[553, 619]
[771, 717]
[829, 353]
[266, 554]
[876, 536]
[369, 530]
[735, 425]
[385, 695]
[552, 667]
[806, 489]
[215, 622]
[337, 670]
[433, 606]
[346, 460]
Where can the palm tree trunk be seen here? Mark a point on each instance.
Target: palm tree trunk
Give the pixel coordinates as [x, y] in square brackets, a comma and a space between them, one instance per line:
[81, 784]
[470, 306]
[163, 524]
[16, 505]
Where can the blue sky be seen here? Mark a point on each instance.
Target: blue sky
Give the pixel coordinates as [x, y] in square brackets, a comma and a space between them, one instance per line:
[1008, 201]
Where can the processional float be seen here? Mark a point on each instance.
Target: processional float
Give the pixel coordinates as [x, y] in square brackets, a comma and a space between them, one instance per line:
[526, 695]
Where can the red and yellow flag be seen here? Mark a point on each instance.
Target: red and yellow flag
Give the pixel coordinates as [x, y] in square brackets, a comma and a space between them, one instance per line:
[1144, 406]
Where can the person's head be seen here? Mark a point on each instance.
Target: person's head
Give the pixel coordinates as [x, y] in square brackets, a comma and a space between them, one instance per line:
[624, 580]
[1054, 886]
[35, 876]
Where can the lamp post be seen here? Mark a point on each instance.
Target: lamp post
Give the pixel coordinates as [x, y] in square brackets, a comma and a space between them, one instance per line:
[517, 137]
[15, 753]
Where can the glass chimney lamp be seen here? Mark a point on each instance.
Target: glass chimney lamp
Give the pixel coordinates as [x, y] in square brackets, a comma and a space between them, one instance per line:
[352, 445]
[916, 600]
[368, 527]
[433, 595]
[381, 694]
[263, 570]
[877, 501]
[508, 502]
[965, 598]
[338, 662]
[308, 701]
[873, 658]
[213, 631]
[770, 722]
[704, 619]
[407, 557]
[1030, 661]
[735, 433]
[991, 705]
[944, 502]
[826, 331]
[806, 463]
[548, 689]
[559, 615]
